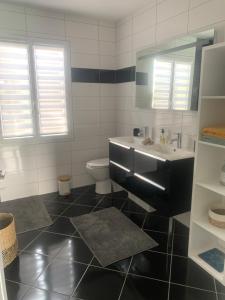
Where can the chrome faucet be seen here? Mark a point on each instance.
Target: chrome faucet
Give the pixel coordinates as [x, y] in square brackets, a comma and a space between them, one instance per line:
[178, 139]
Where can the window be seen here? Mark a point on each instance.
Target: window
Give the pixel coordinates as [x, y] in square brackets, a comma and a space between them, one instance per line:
[171, 84]
[33, 100]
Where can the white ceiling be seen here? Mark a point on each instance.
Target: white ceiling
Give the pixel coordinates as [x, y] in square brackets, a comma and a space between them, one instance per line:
[107, 9]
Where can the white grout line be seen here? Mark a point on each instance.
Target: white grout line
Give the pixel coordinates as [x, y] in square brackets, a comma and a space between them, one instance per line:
[214, 280]
[81, 278]
[121, 291]
[171, 255]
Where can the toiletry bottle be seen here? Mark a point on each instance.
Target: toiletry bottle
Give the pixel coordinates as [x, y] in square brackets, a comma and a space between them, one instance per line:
[222, 175]
[162, 137]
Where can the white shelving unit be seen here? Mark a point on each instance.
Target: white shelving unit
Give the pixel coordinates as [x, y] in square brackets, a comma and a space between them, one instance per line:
[210, 157]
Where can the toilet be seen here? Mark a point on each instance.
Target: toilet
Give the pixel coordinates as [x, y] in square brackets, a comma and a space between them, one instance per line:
[99, 170]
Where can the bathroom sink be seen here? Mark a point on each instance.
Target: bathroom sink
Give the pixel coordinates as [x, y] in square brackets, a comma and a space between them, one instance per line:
[165, 149]
[170, 151]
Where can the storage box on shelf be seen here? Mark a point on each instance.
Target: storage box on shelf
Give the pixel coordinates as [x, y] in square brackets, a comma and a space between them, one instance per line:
[207, 190]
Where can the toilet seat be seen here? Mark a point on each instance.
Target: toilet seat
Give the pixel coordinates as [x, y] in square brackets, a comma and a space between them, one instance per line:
[98, 163]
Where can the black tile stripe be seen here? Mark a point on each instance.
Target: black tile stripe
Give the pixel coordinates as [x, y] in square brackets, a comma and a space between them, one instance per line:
[102, 75]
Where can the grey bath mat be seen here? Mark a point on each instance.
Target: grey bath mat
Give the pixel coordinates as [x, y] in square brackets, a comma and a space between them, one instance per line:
[111, 236]
[30, 214]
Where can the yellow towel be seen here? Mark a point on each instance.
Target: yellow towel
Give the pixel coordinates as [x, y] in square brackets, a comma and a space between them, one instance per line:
[214, 131]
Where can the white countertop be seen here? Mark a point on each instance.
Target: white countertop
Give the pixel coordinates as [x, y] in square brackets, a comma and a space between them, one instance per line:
[158, 151]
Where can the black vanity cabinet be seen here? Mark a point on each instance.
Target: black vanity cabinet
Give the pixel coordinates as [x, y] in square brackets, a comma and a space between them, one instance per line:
[165, 185]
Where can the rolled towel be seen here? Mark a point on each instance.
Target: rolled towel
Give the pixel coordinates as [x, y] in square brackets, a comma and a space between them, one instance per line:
[218, 132]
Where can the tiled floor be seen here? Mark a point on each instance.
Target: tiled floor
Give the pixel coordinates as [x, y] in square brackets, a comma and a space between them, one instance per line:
[55, 264]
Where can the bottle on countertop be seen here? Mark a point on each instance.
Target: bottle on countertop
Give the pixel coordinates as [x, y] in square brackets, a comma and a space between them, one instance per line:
[222, 175]
[162, 137]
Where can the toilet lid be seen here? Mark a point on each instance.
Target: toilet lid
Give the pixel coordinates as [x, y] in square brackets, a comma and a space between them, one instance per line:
[98, 163]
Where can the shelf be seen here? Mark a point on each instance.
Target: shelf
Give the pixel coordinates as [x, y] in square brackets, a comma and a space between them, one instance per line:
[213, 186]
[204, 223]
[213, 97]
[206, 267]
[211, 144]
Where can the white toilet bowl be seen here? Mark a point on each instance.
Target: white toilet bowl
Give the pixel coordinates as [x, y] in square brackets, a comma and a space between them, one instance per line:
[99, 170]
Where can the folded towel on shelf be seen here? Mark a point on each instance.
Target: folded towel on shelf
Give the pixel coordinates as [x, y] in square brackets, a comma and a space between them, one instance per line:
[218, 132]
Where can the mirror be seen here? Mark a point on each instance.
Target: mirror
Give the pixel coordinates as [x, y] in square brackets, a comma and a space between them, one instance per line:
[168, 76]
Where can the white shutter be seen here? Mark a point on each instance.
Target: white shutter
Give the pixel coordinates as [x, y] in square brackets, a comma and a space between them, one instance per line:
[181, 85]
[15, 97]
[51, 93]
[162, 74]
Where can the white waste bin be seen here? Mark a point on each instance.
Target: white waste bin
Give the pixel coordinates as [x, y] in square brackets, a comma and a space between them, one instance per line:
[64, 182]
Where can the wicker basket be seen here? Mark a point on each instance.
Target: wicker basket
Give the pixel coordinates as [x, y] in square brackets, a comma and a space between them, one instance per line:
[217, 216]
[8, 240]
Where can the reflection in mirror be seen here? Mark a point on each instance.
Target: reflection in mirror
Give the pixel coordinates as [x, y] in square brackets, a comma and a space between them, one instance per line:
[167, 77]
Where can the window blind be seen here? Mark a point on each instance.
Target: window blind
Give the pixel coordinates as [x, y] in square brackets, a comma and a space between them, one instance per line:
[50, 88]
[162, 75]
[181, 85]
[15, 96]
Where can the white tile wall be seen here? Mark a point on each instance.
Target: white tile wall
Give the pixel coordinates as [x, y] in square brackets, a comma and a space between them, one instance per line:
[99, 110]
[33, 168]
[152, 25]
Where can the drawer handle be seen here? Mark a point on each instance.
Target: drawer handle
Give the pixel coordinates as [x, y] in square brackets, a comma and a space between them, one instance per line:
[150, 155]
[119, 166]
[121, 145]
[150, 181]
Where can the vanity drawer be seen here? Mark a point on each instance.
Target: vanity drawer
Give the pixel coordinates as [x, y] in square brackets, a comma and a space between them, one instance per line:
[152, 170]
[121, 155]
[119, 174]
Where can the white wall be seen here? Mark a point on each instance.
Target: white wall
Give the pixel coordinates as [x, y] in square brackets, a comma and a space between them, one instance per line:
[161, 20]
[33, 169]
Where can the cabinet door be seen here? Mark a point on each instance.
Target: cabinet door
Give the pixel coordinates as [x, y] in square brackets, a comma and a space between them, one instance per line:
[152, 170]
[120, 176]
[121, 155]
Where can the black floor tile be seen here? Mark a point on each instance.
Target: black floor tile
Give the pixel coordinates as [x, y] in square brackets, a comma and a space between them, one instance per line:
[99, 283]
[15, 291]
[221, 296]
[220, 288]
[47, 243]
[89, 199]
[138, 219]
[55, 208]
[61, 276]
[75, 250]
[26, 267]
[77, 210]
[162, 239]
[139, 288]
[185, 293]
[121, 266]
[180, 245]
[62, 225]
[156, 223]
[133, 207]
[180, 228]
[121, 194]
[186, 272]
[110, 201]
[26, 238]
[151, 264]
[37, 294]
[55, 197]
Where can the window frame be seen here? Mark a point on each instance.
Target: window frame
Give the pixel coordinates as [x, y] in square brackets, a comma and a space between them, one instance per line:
[170, 104]
[37, 138]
